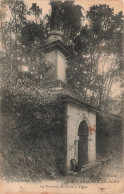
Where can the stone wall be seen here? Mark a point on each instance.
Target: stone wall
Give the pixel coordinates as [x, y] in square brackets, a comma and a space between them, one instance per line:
[52, 58]
[75, 115]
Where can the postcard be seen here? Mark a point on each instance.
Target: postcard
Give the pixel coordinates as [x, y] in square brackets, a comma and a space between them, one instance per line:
[61, 97]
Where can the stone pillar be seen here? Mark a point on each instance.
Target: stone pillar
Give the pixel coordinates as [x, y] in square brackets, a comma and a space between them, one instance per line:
[56, 53]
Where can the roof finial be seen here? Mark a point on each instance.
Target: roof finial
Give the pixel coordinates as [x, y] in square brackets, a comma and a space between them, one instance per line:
[55, 35]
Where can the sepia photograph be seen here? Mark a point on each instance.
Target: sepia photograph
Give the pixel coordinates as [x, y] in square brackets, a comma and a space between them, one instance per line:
[61, 97]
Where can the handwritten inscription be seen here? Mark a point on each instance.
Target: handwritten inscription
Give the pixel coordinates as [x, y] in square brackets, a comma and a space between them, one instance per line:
[92, 129]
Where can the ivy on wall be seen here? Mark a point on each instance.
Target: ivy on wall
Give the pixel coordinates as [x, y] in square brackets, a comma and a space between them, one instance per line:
[32, 135]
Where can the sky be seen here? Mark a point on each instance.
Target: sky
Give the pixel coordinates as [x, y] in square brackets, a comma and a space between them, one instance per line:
[117, 4]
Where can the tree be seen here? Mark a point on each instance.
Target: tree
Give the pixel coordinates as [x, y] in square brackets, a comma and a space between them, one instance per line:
[24, 105]
[10, 35]
[16, 53]
[107, 33]
[99, 45]
[21, 100]
[36, 11]
[67, 17]
[90, 44]
[96, 47]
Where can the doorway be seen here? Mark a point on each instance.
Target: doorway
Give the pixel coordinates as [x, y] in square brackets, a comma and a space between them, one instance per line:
[82, 144]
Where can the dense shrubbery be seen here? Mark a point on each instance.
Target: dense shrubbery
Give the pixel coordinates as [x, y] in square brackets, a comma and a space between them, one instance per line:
[94, 37]
[109, 139]
[32, 131]
[32, 138]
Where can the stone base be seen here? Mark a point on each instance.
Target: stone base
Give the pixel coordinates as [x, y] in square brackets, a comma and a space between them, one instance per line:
[89, 170]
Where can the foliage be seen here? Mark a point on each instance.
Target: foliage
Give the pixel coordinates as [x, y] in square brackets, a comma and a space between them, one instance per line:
[109, 135]
[34, 114]
[18, 53]
[36, 11]
[32, 134]
[26, 107]
[66, 17]
[95, 40]
[99, 45]
[93, 67]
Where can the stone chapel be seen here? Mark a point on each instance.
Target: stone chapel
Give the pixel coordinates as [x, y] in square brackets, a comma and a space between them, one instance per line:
[80, 118]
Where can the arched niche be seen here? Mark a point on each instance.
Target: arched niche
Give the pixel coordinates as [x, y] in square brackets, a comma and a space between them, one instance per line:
[82, 144]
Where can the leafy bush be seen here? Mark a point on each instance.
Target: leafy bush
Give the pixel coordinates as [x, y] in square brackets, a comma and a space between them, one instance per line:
[32, 137]
[109, 135]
